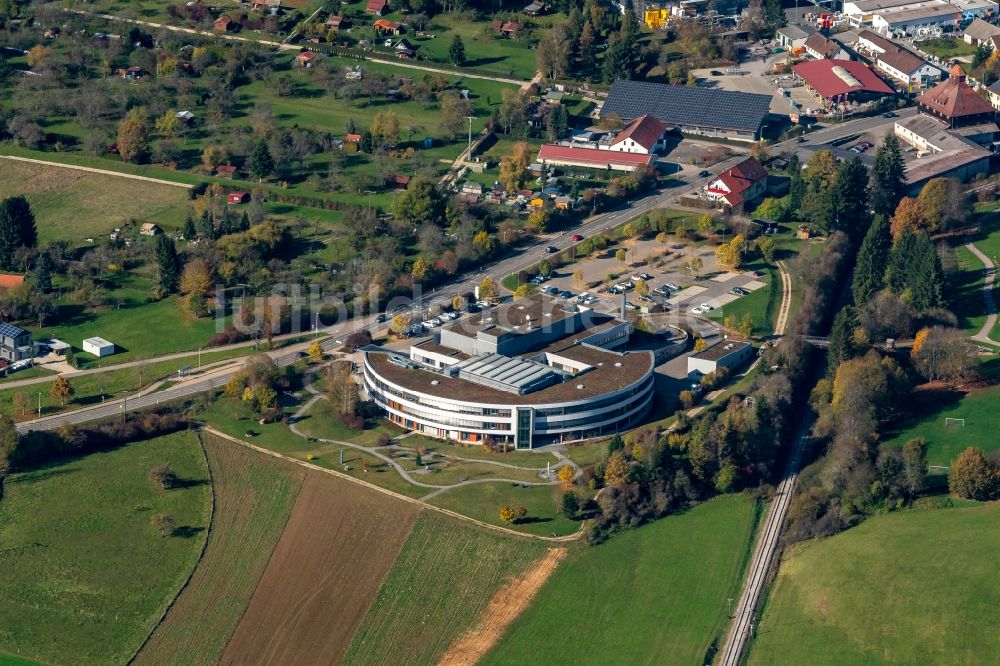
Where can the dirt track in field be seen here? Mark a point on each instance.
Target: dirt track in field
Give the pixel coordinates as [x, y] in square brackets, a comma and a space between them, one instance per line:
[337, 547]
[505, 607]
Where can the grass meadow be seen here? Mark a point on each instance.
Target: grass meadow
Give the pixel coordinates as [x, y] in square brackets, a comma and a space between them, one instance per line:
[73, 205]
[653, 595]
[253, 497]
[910, 587]
[83, 572]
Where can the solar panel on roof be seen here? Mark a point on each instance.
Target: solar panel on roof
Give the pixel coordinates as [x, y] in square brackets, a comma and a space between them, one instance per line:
[10, 331]
[685, 106]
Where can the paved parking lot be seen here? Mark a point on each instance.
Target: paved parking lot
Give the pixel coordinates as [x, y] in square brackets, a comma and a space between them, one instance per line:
[713, 285]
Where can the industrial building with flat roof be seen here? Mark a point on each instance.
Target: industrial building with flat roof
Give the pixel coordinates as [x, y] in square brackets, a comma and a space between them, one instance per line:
[727, 114]
[531, 372]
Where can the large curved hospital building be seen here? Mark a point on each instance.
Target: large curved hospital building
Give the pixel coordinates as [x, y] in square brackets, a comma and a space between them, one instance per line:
[531, 372]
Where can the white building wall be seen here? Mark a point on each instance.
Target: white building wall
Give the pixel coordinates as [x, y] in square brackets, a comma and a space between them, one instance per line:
[449, 423]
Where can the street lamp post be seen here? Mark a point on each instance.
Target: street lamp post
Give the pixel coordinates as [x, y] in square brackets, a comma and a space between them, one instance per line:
[39, 404]
[124, 405]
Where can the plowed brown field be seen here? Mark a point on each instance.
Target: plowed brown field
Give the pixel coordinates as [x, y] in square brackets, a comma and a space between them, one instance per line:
[337, 547]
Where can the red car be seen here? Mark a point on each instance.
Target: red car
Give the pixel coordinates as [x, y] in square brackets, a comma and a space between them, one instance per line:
[577, 238]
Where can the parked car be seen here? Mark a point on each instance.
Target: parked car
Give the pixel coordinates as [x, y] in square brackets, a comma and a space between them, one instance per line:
[642, 276]
[577, 238]
[629, 305]
[739, 291]
[672, 287]
[565, 294]
[550, 290]
[696, 310]
[551, 249]
[705, 307]
[646, 299]
[889, 114]
[704, 173]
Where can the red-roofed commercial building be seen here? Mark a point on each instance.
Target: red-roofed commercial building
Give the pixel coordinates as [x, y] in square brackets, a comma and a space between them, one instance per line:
[955, 103]
[592, 158]
[840, 80]
[744, 183]
[643, 135]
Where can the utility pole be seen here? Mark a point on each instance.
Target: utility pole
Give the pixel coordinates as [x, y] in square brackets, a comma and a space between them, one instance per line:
[199, 358]
[468, 154]
[39, 404]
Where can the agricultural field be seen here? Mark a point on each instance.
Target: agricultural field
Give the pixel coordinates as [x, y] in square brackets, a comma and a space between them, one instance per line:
[254, 495]
[658, 590]
[910, 587]
[340, 542]
[945, 441]
[73, 205]
[81, 560]
[442, 582]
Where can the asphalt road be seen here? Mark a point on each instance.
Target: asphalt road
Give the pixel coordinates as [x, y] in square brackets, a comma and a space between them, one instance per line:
[528, 256]
[212, 380]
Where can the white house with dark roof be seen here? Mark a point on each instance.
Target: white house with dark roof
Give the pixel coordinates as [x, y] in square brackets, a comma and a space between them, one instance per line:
[15, 343]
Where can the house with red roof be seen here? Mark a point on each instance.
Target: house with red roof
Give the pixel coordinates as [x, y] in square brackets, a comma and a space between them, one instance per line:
[592, 158]
[8, 280]
[305, 59]
[739, 185]
[225, 24]
[505, 28]
[643, 135]
[955, 103]
[386, 27]
[377, 7]
[841, 80]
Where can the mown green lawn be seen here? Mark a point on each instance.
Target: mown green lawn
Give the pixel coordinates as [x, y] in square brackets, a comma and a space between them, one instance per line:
[139, 329]
[761, 304]
[944, 443]
[483, 501]
[655, 595]
[966, 292]
[83, 572]
[912, 587]
[443, 579]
